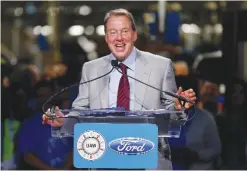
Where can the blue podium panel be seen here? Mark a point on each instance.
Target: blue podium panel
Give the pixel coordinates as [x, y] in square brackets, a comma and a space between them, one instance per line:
[117, 146]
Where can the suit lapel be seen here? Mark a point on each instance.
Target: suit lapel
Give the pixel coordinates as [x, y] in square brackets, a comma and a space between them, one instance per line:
[142, 73]
[103, 83]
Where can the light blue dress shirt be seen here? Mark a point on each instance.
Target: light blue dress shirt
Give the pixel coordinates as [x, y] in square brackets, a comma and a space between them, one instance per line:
[115, 78]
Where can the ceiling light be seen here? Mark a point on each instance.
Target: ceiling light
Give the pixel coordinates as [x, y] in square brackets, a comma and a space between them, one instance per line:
[18, 11]
[100, 30]
[76, 30]
[37, 30]
[89, 30]
[85, 10]
[46, 30]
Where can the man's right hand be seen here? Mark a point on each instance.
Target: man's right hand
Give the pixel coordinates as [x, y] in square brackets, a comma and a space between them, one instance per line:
[58, 122]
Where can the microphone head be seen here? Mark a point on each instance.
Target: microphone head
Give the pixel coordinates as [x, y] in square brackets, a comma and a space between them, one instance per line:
[114, 63]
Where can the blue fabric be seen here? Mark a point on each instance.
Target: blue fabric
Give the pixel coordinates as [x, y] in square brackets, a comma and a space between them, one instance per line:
[43, 43]
[153, 26]
[36, 138]
[31, 103]
[180, 142]
[171, 33]
[73, 93]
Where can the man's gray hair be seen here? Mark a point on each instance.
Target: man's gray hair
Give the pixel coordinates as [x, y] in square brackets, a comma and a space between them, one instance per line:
[120, 12]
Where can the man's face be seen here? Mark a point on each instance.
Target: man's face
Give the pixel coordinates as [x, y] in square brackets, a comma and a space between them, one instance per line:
[43, 93]
[20, 100]
[120, 37]
[238, 95]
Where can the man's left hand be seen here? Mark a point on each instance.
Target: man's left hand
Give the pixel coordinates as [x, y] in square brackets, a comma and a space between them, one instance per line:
[190, 94]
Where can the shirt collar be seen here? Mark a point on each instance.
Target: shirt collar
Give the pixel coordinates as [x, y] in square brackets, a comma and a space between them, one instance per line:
[130, 60]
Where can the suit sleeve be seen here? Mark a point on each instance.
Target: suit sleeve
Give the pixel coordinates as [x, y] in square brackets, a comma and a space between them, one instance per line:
[169, 84]
[82, 100]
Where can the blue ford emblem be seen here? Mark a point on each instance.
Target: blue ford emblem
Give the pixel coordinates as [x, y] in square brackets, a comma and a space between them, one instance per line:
[131, 145]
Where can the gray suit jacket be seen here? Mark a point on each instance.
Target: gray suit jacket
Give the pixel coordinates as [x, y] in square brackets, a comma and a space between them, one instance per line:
[151, 69]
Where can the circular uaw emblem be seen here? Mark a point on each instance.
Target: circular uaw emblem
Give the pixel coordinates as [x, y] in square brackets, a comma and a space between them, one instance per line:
[91, 145]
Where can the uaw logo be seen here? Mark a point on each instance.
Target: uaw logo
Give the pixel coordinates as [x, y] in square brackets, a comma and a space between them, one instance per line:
[91, 145]
[131, 146]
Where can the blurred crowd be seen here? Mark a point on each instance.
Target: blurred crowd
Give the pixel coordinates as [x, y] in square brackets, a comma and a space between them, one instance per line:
[25, 89]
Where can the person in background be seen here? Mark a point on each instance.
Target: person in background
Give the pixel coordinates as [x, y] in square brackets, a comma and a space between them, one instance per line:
[181, 68]
[36, 148]
[197, 149]
[14, 111]
[236, 125]
[199, 145]
[209, 92]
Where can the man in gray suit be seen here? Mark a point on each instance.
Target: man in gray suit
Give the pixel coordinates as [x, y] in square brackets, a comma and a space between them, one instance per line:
[116, 89]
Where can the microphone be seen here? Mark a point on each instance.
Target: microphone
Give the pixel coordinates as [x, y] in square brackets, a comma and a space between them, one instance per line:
[116, 65]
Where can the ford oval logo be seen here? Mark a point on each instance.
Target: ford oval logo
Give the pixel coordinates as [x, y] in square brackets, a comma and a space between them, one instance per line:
[131, 145]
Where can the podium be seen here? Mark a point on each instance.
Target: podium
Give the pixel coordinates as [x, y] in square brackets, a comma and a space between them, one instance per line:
[118, 139]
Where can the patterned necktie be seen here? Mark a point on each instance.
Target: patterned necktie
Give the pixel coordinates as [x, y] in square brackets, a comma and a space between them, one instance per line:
[123, 98]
